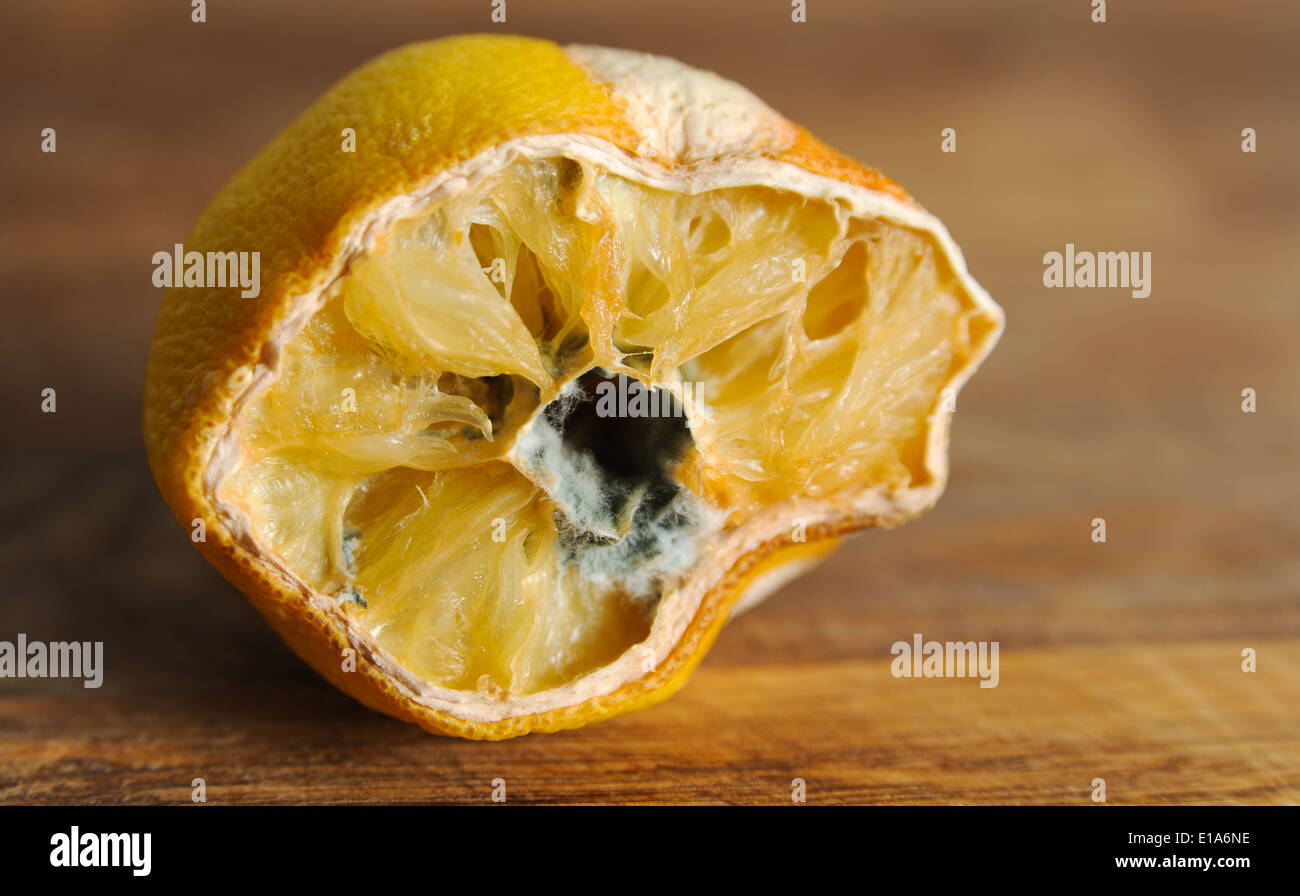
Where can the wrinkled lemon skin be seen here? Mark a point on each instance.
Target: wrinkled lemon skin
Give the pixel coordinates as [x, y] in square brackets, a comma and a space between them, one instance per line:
[416, 112]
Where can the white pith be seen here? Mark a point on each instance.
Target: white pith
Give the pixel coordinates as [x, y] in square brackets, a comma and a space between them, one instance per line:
[677, 608]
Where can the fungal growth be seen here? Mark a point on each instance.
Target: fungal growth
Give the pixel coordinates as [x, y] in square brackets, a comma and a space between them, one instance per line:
[611, 468]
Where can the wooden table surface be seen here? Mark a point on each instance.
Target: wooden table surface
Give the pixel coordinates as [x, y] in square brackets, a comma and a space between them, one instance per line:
[1119, 661]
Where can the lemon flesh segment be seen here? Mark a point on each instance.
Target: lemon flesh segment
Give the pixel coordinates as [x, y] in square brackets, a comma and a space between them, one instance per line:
[416, 456]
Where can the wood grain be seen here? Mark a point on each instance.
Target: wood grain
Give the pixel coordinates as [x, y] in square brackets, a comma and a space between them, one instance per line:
[1172, 724]
[1118, 660]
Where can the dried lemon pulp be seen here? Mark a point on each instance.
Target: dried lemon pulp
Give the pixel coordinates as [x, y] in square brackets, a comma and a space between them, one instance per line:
[429, 452]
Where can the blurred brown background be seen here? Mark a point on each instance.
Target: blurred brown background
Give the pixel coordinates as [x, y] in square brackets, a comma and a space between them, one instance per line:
[1119, 660]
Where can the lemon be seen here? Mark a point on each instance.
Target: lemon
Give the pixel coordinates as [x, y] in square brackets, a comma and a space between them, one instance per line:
[576, 353]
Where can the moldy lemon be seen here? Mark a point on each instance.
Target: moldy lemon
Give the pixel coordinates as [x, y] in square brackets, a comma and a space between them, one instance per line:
[402, 445]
